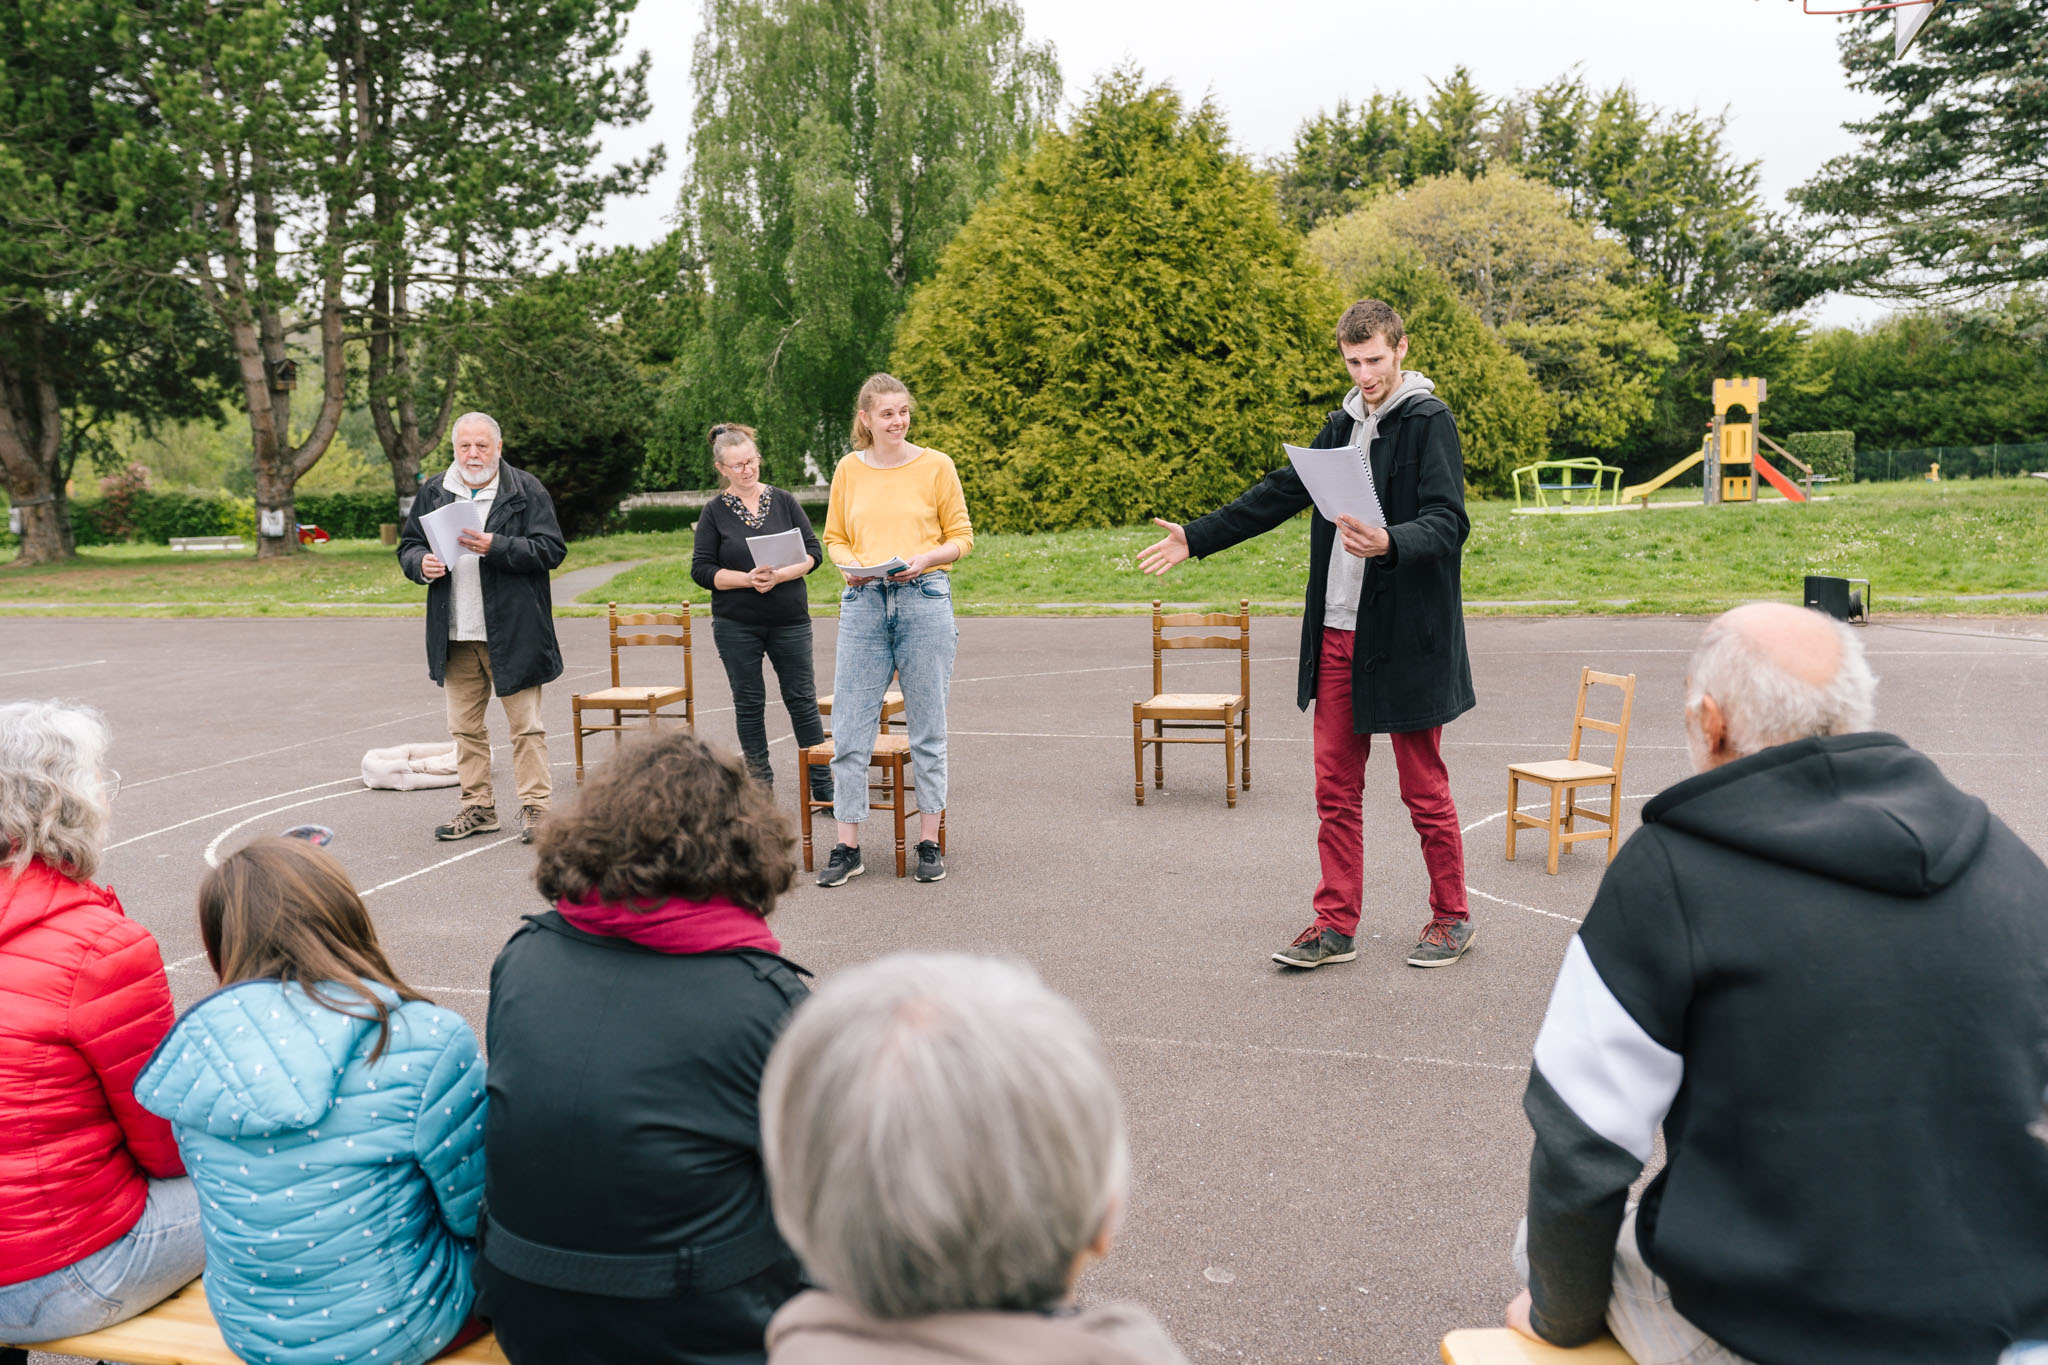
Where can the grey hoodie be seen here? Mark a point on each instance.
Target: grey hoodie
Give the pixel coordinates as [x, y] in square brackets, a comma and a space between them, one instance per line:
[1347, 571]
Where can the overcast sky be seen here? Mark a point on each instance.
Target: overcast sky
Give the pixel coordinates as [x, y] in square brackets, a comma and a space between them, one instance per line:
[1771, 67]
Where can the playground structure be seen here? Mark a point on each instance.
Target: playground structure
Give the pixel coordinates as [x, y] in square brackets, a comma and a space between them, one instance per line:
[1733, 454]
[1565, 480]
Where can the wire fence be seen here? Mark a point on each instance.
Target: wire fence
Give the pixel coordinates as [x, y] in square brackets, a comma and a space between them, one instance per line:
[1994, 461]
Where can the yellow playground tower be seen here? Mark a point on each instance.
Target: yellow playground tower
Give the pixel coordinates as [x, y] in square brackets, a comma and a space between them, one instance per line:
[1731, 452]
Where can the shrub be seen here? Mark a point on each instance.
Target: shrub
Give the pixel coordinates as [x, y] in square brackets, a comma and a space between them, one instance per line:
[1831, 453]
[348, 516]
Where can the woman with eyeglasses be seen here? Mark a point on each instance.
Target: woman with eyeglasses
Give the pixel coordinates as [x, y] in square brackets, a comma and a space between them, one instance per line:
[98, 1220]
[759, 612]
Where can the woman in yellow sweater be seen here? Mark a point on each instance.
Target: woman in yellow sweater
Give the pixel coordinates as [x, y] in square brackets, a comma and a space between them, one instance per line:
[892, 500]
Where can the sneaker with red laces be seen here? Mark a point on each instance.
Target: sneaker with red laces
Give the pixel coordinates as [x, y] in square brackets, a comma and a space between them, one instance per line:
[1316, 946]
[1443, 942]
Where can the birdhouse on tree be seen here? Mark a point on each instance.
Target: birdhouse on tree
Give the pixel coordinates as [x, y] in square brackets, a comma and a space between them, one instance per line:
[284, 376]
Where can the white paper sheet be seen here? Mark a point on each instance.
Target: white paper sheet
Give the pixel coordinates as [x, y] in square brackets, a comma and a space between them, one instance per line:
[778, 551]
[895, 562]
[444, 524]
[1340, 480]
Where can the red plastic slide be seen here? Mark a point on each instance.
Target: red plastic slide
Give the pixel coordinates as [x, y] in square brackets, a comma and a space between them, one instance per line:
[1778, 481]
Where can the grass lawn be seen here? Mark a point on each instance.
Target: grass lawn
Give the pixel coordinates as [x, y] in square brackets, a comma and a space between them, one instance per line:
[1936, 542]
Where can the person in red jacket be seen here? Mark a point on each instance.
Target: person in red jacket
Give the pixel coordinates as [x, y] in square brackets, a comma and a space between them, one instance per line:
[98, 1220]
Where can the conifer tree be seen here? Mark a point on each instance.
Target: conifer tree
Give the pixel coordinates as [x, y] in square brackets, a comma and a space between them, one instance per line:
[1126, 329]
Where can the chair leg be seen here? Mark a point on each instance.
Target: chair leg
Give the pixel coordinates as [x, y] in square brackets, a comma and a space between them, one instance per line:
[1514, 794]
[1571, 814]
[1138, 756]
[1555, 793]
[576, 724]
[942, 831]
[898, 793]
[1159, 754]
[1229, 763]
[1244, 767]
[803, 800]
[1613, 819]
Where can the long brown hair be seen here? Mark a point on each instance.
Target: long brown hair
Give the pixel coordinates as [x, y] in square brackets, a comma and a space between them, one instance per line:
[877, 385]
[281, 909]
[668, 817]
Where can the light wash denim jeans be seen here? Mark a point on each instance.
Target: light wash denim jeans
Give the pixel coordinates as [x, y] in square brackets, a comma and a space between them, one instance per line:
[901, 628]
[154, 1259]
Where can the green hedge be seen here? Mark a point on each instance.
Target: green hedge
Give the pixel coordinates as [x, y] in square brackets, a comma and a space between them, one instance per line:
[659, 517]
[1831, 453]
[160, 515]
[347, 516]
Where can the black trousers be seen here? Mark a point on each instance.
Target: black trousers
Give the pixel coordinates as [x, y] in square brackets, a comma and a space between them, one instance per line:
[740, 648]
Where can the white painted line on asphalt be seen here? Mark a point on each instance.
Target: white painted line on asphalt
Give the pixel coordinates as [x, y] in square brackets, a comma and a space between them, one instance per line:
[53, 668]
[229, 810]
[185, 962]
[1114, 668]
[1543, 805]
[213, 849]
[435, 867]
[1339, 1053]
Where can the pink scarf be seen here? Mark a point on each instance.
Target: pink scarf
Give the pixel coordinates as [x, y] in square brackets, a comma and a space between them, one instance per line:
[674, 926]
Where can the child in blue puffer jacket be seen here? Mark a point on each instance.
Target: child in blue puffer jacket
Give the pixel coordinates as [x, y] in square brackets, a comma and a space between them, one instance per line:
[332, 1120]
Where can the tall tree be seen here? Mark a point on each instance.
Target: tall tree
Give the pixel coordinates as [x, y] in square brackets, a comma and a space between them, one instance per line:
[1344, 157]
[838, 146]
[1566, 301]
[1944, 199]
[91, 329]
[1126, 329]
[482, 151]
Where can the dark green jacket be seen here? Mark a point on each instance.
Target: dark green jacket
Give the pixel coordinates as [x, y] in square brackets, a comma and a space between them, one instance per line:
[1410, 670]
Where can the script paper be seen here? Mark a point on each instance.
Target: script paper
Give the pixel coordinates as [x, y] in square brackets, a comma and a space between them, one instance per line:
[894, 565]
[444, 524]
[778, 551]
[1340, 481]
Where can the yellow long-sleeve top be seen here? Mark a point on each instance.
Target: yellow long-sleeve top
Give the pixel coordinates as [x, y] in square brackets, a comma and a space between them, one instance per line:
[907, 510]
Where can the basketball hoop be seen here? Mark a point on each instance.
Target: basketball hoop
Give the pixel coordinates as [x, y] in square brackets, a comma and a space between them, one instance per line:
[1908, 18]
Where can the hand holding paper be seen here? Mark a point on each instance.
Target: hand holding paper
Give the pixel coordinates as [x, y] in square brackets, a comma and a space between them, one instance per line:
[444, 527]
[778, 551]
[1340, 481]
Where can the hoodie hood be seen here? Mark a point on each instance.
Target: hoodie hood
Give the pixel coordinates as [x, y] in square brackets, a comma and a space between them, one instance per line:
[258, 1058]
[1863, 809]
[1413, 384]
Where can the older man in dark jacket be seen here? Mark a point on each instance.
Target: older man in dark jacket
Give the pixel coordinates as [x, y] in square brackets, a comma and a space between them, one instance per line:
[1383, 638]
[490, 620]
[1822, 971]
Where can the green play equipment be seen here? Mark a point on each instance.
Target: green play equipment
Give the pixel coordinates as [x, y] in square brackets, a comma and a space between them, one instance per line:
[1567, 481]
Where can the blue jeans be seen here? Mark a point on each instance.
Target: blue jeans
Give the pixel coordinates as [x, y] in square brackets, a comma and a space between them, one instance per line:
[901, 628]
[153, 1260]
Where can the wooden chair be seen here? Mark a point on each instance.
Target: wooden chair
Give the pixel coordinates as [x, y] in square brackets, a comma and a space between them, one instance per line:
[637, 699]
[1229, 713]
[1564, 777]
[891, 790]
[181, 1331]
[1505, 1346]
[892, 708]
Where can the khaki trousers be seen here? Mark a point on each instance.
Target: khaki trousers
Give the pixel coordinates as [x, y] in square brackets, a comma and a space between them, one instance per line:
[468, 685]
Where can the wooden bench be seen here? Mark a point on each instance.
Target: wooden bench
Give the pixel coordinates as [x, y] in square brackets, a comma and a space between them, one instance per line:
[181, 1331]
[207, 543]
[1504, 1346]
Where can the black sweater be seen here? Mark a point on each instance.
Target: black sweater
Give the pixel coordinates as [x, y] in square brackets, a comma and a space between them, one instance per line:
[722, 544]
[1824, 971]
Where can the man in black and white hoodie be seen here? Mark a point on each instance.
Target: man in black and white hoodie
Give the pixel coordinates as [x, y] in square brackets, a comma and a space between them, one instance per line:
[1823, 970]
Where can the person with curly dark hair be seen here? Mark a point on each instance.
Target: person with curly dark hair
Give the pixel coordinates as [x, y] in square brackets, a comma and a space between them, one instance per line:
[627, 1215]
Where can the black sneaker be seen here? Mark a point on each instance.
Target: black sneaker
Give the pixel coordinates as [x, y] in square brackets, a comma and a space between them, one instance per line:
[844, 862]
[1315, 947]
[529, 820]
[1443, 942]
[930, 866]
[469, 820]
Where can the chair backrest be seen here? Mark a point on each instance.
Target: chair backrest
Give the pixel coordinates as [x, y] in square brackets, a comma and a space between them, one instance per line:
[1581, 722]
[669, 628]
[1240, 640]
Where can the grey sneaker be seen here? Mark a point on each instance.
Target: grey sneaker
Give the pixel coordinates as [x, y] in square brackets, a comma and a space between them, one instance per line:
[529, 820]
[845, 862]
[930, 866]
[1316, 946]
[1443, 942]
[469, 820]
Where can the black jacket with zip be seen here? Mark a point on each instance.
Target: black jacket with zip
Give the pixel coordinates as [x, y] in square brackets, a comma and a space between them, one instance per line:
[1410, 670]
[519, 611]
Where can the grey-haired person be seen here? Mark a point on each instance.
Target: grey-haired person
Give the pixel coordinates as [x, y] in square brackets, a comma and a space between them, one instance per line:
[490, 620]
[946, 1151]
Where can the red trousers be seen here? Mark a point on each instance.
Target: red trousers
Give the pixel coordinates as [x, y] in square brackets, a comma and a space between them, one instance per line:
[1340, 756]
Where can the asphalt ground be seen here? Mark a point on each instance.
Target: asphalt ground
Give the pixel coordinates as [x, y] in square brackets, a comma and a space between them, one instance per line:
[1329, 1165]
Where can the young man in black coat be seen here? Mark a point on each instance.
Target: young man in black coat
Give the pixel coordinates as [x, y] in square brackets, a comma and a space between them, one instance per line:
[490, 620]
[1383, 637]
[1822, 972]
